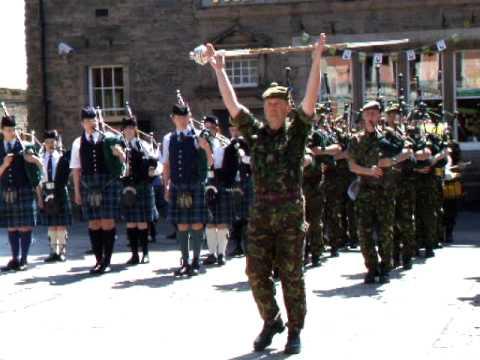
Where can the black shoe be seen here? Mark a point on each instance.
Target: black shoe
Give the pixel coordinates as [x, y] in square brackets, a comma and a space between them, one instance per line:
[195, 268]
[220, 260]
[12, 265]
[210, 260]
[104, 269]
[270, 329]
[52, 258]
[429, 253]
[145, 259]
[407, 264]
[294, 345]
[96, 269]
[237, 252]
[384, 278]
[333, 252]
[171, 236]
[184, 270]
[370, 277]
[316, 261]
[449, 238]
[62, 257]
[134, 260]
[396, 261]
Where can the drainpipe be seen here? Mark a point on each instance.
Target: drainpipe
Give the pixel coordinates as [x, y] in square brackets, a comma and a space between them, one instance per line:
[44, 65]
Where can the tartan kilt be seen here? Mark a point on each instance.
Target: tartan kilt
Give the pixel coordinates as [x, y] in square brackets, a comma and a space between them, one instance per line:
[243, 202]
[64, 216]
[197, 214]
[22, 213]
[111, 190]
[144, 209]
[221, 212]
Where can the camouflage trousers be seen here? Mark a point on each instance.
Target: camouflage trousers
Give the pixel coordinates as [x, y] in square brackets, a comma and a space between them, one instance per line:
[426, 229]
[404, 232]
[336, 200]
[276, 236]
[315, 211]
[375, 211]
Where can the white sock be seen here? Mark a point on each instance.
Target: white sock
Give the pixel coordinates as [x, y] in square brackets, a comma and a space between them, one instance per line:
[61, 241]
[52, 235]
[212, 240]
[222, 236]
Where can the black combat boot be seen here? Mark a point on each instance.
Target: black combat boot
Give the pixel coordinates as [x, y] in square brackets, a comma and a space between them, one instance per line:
[184, 269]
[270, 329]
[384, 276]
[195, 268]
[407, 263]
[429, 253]
[316, 261]
[294, 345]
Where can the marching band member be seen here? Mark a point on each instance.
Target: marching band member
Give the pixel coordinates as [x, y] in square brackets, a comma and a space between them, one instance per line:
[219, 198]
[18, 208]
[186, 158]
[97, 187]
[54, 201]
[138, 195]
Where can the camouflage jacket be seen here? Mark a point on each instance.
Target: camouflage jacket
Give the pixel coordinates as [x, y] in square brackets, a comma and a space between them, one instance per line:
[366, 150]
[276, 156]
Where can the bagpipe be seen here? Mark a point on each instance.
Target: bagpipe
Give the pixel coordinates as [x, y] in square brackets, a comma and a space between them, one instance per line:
[112, 139]
[29, 147]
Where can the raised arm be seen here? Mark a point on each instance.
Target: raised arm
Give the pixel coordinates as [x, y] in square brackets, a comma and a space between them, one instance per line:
[226, 89]
[313, 84]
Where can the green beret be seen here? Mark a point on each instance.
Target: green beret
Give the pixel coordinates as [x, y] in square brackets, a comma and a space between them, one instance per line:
[372, 105]
[393, 107]
[276, 91]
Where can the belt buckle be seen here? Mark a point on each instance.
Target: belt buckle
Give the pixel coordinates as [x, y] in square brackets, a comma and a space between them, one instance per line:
[50, 186]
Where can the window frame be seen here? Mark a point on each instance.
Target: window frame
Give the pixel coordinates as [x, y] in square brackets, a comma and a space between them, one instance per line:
[115, 112]
[243, 85]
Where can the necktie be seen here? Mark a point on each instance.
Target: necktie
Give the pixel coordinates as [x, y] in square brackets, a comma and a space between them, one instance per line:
[50, 169]
[90, 138]
[9, 148]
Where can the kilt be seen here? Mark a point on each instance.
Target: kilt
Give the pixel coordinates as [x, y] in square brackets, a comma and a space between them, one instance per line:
[64, 216]
[22, 213]
[197, 214]
[243, 202]
[144, 209]
[111, 191]
[222, 211]
[160, 202]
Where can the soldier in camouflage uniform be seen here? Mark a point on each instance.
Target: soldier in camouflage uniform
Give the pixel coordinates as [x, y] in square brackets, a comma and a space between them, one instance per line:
[404, 230]
[276, 230]
[374, 205]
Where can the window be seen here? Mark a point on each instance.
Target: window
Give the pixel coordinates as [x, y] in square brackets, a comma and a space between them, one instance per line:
[426, 69]
[107, 89]
[468, 95]
[243, 72]
[339, 73]
[387, 73]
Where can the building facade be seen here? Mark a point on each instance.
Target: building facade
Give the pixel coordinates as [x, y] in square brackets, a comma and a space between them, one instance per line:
[108, 52]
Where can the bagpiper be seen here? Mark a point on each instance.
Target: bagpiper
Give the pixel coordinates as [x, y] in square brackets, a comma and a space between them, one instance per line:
[18, 206]
[54, 200]
[97, 163]
[138, 197]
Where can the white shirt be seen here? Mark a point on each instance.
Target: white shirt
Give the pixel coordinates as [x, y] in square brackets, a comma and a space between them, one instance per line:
[166, 143]
[55, 157]
[218, 155]
[75, 162]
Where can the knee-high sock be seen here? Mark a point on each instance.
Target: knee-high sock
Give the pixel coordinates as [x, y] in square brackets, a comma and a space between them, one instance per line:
[108, 245]
[132, 235]
[197, 239]
[62, 237]
[143, 239]
[25, 242]
[182, 239]
[14, 240]
[212, 240]
[96, 241]
[153, 231]
[52, 237]
[222, 235]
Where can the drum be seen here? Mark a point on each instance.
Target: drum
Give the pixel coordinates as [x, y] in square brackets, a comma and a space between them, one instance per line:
[453, 189]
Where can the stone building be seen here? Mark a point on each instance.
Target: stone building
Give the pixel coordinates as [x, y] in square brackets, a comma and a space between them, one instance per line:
[107, 52]
[16, 103]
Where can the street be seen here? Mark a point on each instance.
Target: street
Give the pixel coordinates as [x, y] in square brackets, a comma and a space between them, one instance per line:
[60, 311]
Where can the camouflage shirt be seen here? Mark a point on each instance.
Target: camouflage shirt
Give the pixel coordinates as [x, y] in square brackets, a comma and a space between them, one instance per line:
[366, 150]
[276, 156]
